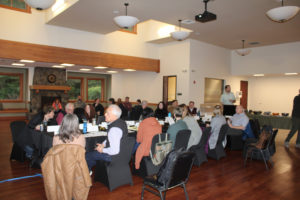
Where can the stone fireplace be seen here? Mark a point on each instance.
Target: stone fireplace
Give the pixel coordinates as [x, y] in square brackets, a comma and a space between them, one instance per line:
[48, 84]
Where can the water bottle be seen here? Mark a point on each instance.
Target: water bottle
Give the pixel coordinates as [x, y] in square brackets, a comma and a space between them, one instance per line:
[41, 127]
[169, 114]
[84, 126]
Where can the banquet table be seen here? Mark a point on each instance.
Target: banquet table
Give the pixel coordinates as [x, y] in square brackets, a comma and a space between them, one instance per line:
[43, 140]
[279, 122]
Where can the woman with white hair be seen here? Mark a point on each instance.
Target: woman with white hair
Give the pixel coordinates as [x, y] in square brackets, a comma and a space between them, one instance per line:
[69, 132]
[216, 123]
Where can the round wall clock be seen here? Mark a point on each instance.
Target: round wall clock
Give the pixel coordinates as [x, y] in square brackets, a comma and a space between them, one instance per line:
[51, 78]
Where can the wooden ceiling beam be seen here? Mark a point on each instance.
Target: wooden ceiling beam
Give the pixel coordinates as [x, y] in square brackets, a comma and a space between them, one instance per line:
[52, 54]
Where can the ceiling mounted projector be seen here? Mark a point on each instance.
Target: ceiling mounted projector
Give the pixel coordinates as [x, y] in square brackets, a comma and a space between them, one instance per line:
[206, 16]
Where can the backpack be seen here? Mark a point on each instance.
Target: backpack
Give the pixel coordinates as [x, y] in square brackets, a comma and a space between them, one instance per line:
[162, 148]
[166, 169]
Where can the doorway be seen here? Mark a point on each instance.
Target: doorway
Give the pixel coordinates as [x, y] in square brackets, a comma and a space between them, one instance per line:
[244, 99]
[169, 88]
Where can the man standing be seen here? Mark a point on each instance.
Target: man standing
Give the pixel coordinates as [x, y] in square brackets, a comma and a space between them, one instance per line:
[227, 97]
[117, 129]
[295, 123]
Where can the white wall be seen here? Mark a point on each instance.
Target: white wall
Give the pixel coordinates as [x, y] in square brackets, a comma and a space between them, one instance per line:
[274, 59]
[174, 59]
[31, 28]
[209, 61]
[273, 94]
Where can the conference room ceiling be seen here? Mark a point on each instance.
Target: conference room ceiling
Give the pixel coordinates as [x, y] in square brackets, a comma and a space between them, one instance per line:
[236, 19]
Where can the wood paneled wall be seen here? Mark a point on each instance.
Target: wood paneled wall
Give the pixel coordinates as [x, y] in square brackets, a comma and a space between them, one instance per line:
[44, 53]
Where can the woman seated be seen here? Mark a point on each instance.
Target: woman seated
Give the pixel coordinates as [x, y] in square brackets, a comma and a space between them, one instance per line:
[40, 120]
[69, 132]
[161, 111]
[148, 128]
[216, 123]
[192, 124]
[89, 113]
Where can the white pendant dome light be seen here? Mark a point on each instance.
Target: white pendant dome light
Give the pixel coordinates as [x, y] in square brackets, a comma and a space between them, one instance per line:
[180, 35]
[283, 13]
[243, 51]
[40, 4]
[126, 21]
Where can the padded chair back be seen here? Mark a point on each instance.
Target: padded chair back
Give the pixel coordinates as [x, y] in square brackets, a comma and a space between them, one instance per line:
[272, 141]
[126, 147]
[203, 139]
[256, 130]
[16, 128]
[222, 133]
[182, 139]
[182, 168]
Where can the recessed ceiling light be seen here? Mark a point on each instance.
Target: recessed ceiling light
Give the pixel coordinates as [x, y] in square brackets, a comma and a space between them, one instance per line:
[18, 64]
[290, 74]
[58, 66]
[112, 72]
[85, 69]
[27, 61]
[258, 75]
[253, 43]
[188, 21]
[129, 70]
[67, 64]
[100, 67]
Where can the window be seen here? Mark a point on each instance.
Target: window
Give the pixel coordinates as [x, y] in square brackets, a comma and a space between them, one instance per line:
[11, 87]
[76, 87]
[95, 89]
[18, 5]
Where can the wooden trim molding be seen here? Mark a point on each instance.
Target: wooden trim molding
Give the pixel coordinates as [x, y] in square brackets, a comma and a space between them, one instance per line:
[14, 111]
[37, 88]
[43, 53]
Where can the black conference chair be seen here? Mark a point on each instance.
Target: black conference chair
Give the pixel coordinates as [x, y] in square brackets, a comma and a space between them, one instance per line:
[182, 139]
[199, 149]
[273, 144]
[17, 152]
[147, 168]
[262, 153]
[117, 172]
[219, 152]
[254, 123]
[179, 173]
[235, 140]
